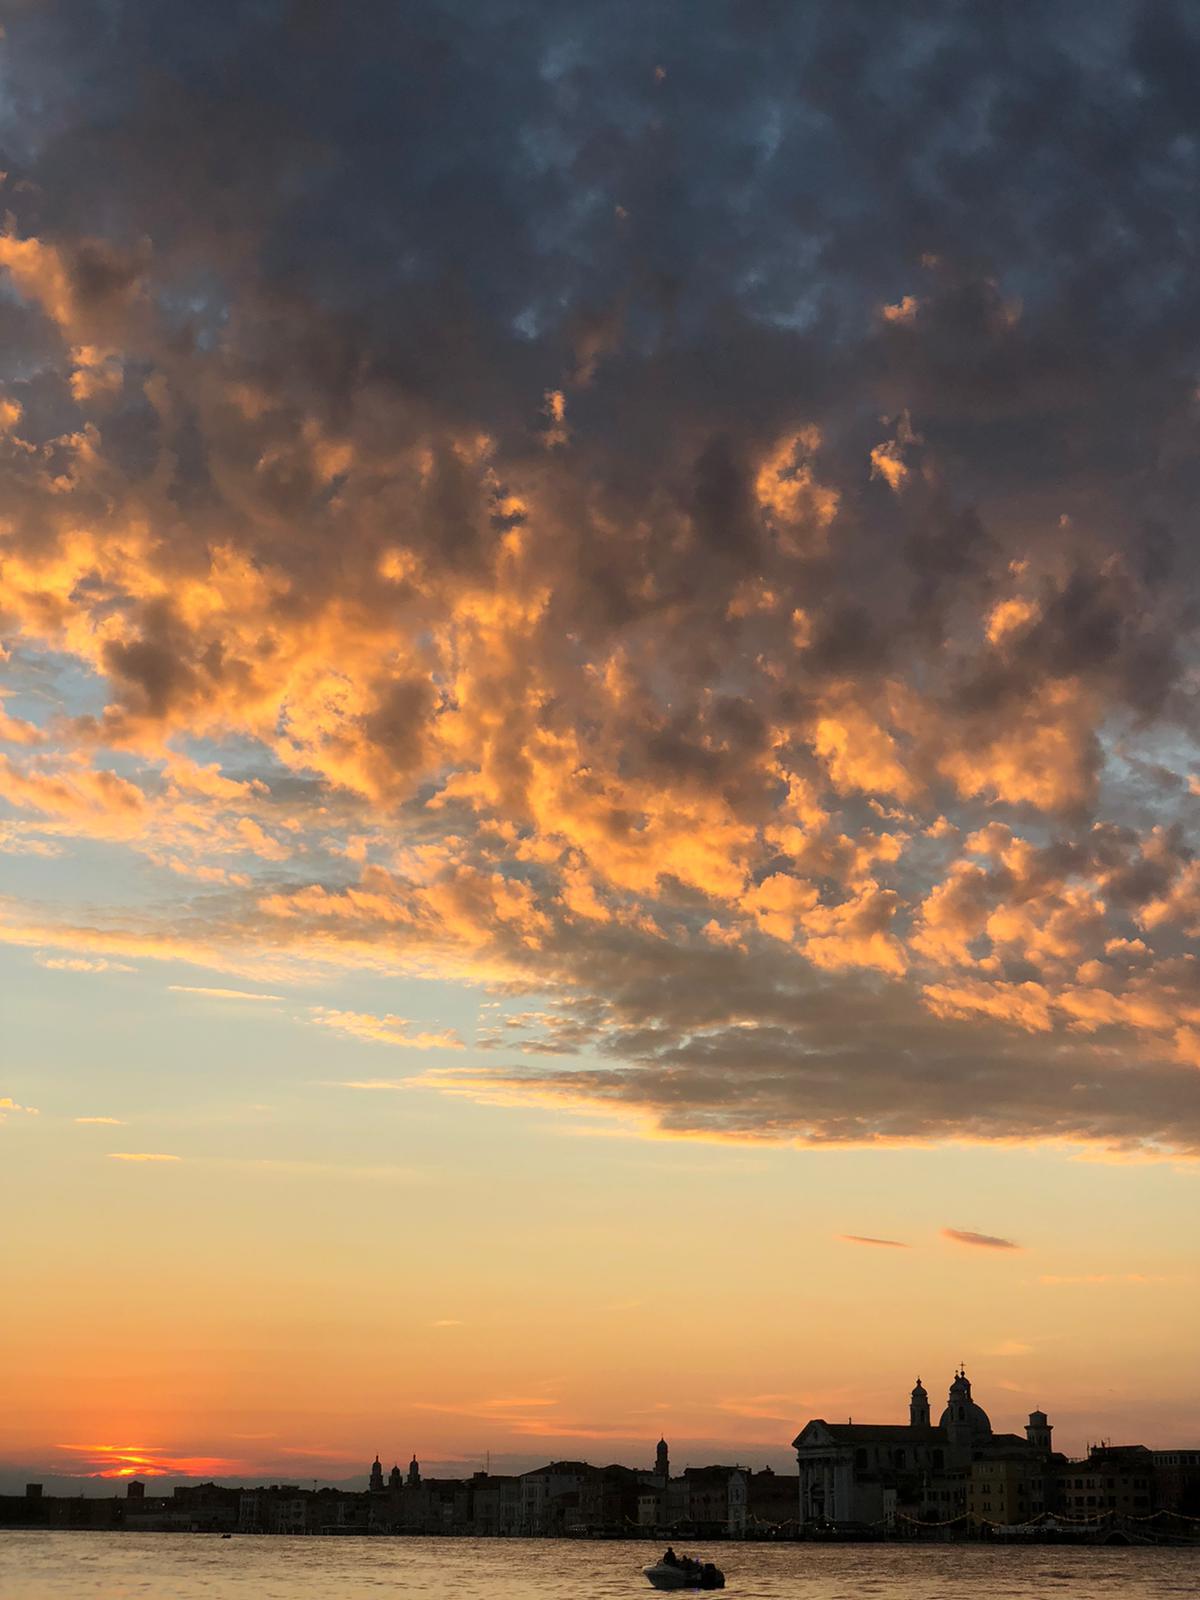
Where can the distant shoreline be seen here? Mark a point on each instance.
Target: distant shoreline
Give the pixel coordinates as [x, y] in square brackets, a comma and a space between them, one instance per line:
[1106, 1538]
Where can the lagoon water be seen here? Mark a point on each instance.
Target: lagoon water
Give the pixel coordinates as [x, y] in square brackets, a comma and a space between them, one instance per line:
[130, 1566]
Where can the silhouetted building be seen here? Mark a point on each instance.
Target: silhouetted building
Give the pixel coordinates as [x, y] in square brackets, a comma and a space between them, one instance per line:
[550, 1494]
[495, 1503]
[1115, 1478]
[918, 1407]
[716, 1499]
[1177, 1480]
[771, 1500]
[869, 1473]
[1012, 1479]
[1038, 1431]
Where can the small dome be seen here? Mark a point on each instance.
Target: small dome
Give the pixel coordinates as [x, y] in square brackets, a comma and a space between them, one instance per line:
[920, 1390]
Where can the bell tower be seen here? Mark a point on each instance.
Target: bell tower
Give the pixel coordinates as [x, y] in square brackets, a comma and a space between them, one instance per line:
[662, 1461]
[957, 1416]
[1038, 1431]
[918, 1407]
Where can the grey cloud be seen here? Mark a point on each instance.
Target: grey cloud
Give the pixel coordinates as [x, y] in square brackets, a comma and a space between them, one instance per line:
[978, 1241]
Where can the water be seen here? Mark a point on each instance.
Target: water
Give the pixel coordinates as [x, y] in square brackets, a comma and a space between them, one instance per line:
[128, 1566]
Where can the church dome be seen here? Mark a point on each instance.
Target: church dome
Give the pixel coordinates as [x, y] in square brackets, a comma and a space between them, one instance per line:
[962, 1415]
[967, 1412]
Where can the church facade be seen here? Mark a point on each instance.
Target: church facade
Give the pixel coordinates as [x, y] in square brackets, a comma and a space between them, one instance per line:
[867, 1473]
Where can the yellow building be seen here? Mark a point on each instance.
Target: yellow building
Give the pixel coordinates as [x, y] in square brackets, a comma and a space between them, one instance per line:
[1006, 1489]
[1010, 1479]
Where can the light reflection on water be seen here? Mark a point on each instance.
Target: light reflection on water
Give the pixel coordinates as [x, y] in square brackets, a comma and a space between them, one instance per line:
[130, 1566]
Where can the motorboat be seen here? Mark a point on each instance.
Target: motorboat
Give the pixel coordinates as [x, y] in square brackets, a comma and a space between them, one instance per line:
[684, 1572]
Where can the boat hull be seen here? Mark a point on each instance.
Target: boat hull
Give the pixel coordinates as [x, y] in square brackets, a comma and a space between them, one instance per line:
[664, 1576]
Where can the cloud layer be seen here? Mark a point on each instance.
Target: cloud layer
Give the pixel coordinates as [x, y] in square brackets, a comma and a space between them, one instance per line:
[681, 517]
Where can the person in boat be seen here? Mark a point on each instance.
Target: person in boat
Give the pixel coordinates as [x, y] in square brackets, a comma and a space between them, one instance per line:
[671, 1559]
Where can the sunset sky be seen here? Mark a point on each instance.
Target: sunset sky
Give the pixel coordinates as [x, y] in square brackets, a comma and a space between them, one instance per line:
[599, 785]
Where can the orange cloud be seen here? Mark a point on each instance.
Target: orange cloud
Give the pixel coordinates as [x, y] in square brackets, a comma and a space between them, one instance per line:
[220, 994]
[856, 933]
[1087, 1279]
[7, 1104]
[111, 803]
[38, 272]
[383, 1030]
[860, 754]
[904, 311]
[81, 964]
[1043, 757]
[779, 902]
[1025, 1005]
[799, 508]
[1008, 617]
[148, 1461]
[139, 1155]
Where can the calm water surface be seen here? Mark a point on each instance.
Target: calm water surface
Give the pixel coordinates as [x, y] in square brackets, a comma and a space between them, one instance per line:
[48, 1566]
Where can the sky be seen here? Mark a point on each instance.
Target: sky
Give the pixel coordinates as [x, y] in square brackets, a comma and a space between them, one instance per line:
[598, 785]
